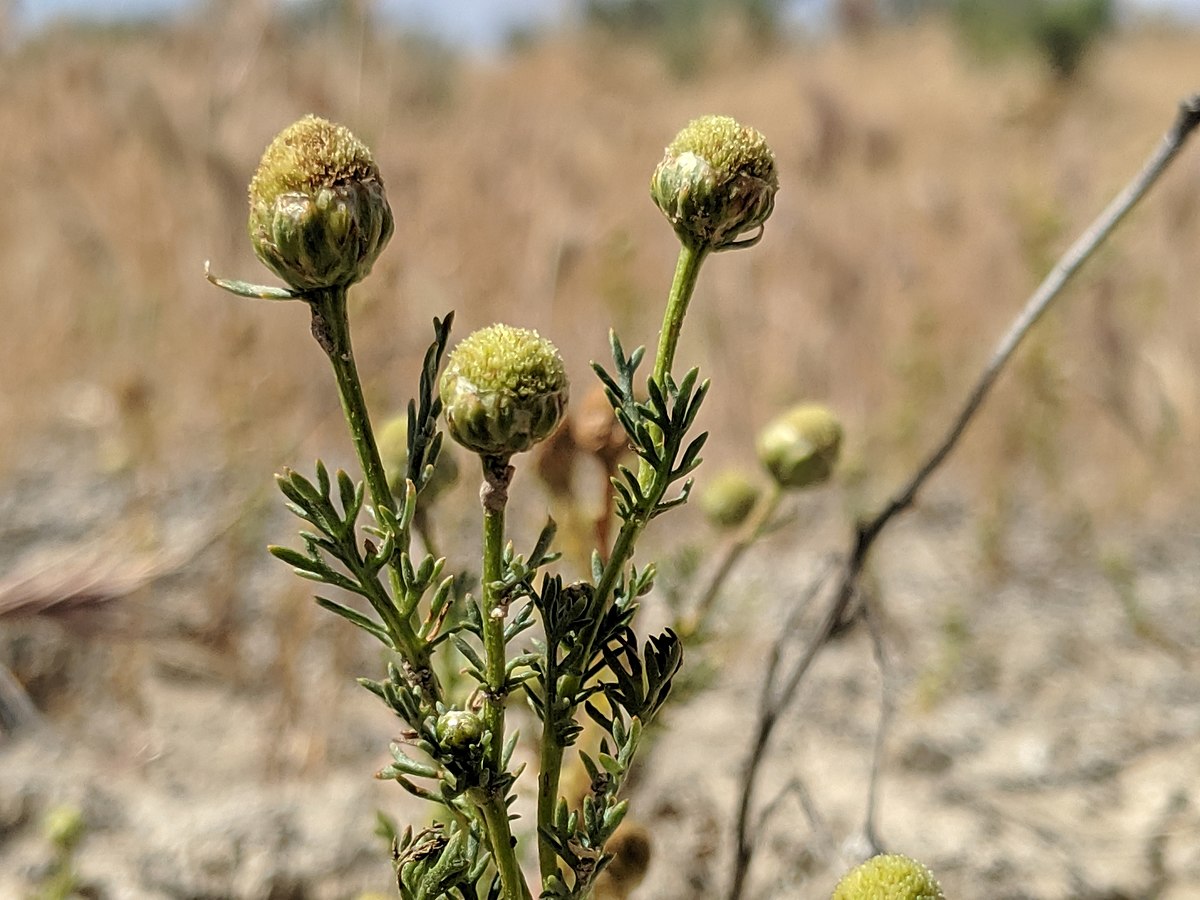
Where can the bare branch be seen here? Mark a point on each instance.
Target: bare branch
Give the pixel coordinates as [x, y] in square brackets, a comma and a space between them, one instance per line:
[1187, 119]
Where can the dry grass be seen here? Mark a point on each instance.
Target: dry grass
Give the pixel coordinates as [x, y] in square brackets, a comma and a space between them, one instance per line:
[923, 197]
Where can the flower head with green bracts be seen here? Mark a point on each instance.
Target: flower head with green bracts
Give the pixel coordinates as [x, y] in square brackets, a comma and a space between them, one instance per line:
[729, 499]
[801, 447]
[504, 390]
[716, 183]
[319, 217]
[889, 877]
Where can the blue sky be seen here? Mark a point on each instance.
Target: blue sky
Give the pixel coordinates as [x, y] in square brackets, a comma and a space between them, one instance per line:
[471, 23]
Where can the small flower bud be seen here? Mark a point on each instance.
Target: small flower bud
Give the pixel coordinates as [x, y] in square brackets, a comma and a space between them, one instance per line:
[458, 729]
[716, 182]
[729, 499]
[63, 826]
[889, 877]
[800, 447]
[504, 390]
[319, 216]
[393, 453]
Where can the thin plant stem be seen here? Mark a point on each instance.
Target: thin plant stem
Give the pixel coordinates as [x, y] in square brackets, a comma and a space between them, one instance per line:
[683, 286]
[495, 817]
[775, 703]
[331, 329]
[754, 528]
[687, 270]
[497, 475]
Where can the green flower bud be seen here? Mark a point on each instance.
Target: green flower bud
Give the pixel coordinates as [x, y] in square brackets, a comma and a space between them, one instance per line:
[800, 447]
[716, 182]
[729, 499]
[393, 453]
[890, 877]
[319, 216]
[504, 390]
[63, 826]
[458, 729]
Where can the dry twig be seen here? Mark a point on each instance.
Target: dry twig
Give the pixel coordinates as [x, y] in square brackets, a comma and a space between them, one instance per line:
[780, 690]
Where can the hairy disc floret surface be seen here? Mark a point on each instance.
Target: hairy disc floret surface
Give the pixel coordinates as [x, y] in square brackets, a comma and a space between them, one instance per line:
[801, 447]
[889, 877]
[319, 216]
[504, 390]
[716, 182]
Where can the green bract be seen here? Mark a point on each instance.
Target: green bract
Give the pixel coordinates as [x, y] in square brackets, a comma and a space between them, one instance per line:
[800, 447]
[729, 499]
[319, 216]
[889, 877]
[716, 182]
[504, 390]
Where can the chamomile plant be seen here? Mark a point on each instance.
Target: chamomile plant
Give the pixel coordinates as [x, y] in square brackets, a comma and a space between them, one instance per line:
[319, 218]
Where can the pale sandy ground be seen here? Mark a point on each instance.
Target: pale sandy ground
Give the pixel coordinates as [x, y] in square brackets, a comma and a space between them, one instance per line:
[1048, 751]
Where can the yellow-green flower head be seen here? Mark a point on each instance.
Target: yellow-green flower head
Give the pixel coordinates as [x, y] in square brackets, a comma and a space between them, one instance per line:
[801, 447]
[716, 182]
[889, 877]
[393, 453]
[729, 499]
[319, 216]
[458, 729]
[504, 390]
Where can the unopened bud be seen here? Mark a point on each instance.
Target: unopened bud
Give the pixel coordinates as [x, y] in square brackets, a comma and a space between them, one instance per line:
[800, 447]
[458, 729]
[319, 217]
[504, 390]
[729, 499]
[716, 182]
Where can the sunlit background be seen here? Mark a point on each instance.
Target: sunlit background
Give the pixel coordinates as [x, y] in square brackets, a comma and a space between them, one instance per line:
[475, 24]
[175, 688]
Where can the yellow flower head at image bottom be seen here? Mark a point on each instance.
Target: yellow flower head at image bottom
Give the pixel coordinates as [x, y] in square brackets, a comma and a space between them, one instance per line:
[889, 877]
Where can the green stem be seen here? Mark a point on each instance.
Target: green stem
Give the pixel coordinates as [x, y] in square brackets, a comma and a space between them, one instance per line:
[495, 817]
[687, 270]
[497, 475]
[331, 328]
[683, 285]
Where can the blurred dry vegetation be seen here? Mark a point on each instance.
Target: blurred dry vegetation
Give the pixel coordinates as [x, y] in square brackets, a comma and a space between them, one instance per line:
[923, 195]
